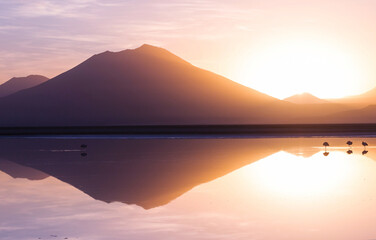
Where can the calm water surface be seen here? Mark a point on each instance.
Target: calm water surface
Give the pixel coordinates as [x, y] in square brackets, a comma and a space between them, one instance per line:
[187, 189]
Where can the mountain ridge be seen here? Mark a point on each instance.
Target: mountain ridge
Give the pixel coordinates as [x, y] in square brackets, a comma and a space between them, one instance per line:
[17, 84]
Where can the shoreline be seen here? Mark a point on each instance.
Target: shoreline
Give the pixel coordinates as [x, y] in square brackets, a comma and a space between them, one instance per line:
[272, 130]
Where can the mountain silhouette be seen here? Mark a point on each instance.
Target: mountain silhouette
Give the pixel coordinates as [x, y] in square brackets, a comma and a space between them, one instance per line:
[305, 98]
[20, 83]
[147, 86]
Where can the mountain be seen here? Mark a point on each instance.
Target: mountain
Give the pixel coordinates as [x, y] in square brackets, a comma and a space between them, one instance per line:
[147, 86]
[371, 94]
[363, 115]
[20, 83]
[305, 98]
[361, 100]
[364, 109]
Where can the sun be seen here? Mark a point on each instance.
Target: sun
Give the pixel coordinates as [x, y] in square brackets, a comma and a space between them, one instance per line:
[286, 68]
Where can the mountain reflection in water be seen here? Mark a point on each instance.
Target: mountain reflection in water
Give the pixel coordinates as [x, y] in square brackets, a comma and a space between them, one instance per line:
[187, 188]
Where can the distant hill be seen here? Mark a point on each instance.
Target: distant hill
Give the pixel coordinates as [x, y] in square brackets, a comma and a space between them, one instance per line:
[20, 83]
[363, 115]
[305, 98]
[371, 94]
[364, 99]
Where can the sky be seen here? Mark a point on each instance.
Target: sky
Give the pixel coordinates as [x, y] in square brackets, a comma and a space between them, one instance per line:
[279, 47]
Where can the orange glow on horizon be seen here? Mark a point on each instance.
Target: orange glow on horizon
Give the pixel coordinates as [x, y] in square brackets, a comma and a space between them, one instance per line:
[283, 69]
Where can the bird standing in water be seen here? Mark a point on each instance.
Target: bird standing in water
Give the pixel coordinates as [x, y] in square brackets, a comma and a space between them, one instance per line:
[325, 144]
[83, 147]
[365, 145]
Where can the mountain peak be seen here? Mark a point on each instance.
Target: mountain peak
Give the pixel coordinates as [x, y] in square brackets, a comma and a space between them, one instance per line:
[150, 49]
[305, 98]
[158, 52]
[147, 46]
[145, 50]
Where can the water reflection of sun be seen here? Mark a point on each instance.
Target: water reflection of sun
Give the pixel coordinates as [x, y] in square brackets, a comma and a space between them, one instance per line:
[295, 176]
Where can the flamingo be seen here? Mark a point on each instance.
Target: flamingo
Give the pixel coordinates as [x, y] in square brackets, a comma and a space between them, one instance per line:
[325, 144]
[349, 143]
[365, 145]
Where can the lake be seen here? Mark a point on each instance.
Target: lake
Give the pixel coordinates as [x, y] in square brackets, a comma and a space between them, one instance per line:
[180, 188]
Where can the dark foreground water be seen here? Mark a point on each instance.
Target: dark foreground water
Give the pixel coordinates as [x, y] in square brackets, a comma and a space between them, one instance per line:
[284, 188]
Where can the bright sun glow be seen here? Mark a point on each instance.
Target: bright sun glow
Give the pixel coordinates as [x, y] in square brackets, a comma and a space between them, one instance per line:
[290, 175]
[292, 67]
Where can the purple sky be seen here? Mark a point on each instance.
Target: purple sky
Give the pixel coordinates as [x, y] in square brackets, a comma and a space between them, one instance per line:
[49, 37]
